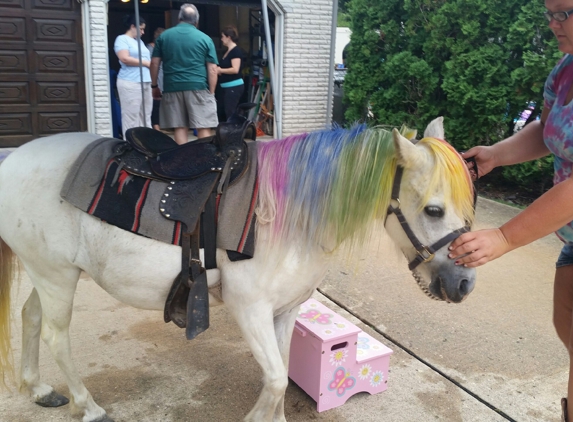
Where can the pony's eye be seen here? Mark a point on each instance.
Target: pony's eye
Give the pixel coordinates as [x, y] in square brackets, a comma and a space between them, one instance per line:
[434, 211]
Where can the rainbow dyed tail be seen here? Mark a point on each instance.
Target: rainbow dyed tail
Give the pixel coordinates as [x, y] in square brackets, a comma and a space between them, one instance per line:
[6, 276]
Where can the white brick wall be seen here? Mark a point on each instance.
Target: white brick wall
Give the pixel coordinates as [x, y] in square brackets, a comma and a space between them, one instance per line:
[306, 64]
[99, 64]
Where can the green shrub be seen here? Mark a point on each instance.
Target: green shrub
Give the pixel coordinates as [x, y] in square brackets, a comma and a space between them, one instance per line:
[533, 176]
[478, 63]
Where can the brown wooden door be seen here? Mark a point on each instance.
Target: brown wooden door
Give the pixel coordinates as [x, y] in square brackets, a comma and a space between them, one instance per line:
[42, 89]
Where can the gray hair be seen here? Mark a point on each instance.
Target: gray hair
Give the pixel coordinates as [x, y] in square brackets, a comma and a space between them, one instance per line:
[189, 14]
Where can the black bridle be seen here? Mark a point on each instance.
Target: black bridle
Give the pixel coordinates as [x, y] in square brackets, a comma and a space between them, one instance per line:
[423, 253]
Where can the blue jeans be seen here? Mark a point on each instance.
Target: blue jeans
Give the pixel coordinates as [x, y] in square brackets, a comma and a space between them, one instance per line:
[566, 256]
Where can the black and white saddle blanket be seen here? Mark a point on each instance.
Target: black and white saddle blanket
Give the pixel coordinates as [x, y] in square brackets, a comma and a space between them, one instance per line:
[98, 185]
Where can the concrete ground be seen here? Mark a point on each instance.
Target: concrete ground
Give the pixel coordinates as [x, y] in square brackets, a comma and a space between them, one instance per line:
[494, 357]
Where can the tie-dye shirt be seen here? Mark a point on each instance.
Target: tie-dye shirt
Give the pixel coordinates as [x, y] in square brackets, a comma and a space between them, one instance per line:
[558, 131]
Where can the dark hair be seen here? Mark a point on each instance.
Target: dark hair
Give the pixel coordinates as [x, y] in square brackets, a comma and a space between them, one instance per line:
[189, 14]
[157, 33]
[231, 32]
[129, 20]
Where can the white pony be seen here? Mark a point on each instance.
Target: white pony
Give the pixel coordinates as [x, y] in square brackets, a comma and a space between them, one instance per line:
[316, 191]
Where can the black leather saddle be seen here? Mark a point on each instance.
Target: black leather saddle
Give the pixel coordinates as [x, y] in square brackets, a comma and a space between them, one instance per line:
[198, 173]
[156, 155]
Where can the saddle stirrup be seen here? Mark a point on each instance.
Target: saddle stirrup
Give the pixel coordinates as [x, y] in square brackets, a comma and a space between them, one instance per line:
[198, 300]
[187, 304]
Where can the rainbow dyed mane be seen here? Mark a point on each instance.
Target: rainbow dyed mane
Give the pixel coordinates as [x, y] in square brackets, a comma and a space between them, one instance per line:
[450, 168]
[330, 185]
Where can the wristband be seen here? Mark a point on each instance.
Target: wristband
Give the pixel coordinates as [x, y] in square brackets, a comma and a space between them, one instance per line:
[154, 86]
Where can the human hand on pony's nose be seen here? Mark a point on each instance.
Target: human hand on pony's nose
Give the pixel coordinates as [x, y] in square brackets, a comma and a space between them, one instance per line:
[474, 249]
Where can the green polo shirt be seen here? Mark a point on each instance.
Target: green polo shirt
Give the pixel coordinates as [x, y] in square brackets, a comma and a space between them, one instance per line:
[184, 52]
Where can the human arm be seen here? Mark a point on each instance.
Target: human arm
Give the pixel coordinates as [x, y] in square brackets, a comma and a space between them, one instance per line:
[233, 70]
[154, 71]
[125, 58]
[548, 213]
[525, 145]
[212, 77]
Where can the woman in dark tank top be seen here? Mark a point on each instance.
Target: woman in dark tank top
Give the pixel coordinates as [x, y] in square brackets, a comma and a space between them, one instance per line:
[230, 71]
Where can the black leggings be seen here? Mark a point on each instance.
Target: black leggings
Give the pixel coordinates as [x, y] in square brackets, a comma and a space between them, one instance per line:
[231, 98]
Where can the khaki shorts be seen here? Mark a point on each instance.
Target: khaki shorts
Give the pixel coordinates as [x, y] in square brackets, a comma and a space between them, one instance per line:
[192, 109]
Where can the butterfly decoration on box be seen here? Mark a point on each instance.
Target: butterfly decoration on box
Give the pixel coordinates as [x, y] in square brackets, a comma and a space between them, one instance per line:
[341, 381]
[363, 342]
[314, 316]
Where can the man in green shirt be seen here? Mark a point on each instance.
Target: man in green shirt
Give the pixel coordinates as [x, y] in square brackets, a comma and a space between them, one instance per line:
[189, 77]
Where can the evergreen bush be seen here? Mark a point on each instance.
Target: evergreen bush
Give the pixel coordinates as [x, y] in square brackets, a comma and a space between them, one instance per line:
[478, 63]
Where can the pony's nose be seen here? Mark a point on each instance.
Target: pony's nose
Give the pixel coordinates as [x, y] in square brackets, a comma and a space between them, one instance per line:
[461, 291]
[465, 287]
[454, 285]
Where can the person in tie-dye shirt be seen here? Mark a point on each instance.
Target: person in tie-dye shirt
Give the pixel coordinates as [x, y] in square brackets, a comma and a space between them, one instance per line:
[553, 211]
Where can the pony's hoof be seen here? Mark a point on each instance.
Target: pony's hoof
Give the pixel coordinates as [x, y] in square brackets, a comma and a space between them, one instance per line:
[52, 400]
[104, 418]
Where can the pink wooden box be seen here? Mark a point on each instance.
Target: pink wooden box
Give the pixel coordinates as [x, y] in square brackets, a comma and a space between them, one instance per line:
[332, 359]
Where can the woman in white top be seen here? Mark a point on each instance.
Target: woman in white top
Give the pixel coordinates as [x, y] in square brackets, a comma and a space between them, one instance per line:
[129, 79]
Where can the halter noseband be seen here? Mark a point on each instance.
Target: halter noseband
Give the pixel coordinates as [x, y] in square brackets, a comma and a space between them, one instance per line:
[423, 253]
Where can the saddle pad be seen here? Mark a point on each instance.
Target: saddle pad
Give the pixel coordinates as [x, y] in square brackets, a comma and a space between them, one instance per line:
[129, 202]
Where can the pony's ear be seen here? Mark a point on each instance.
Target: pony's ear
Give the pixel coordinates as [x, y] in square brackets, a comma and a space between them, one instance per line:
[435, 129]
[406, 152]
[408, 133]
